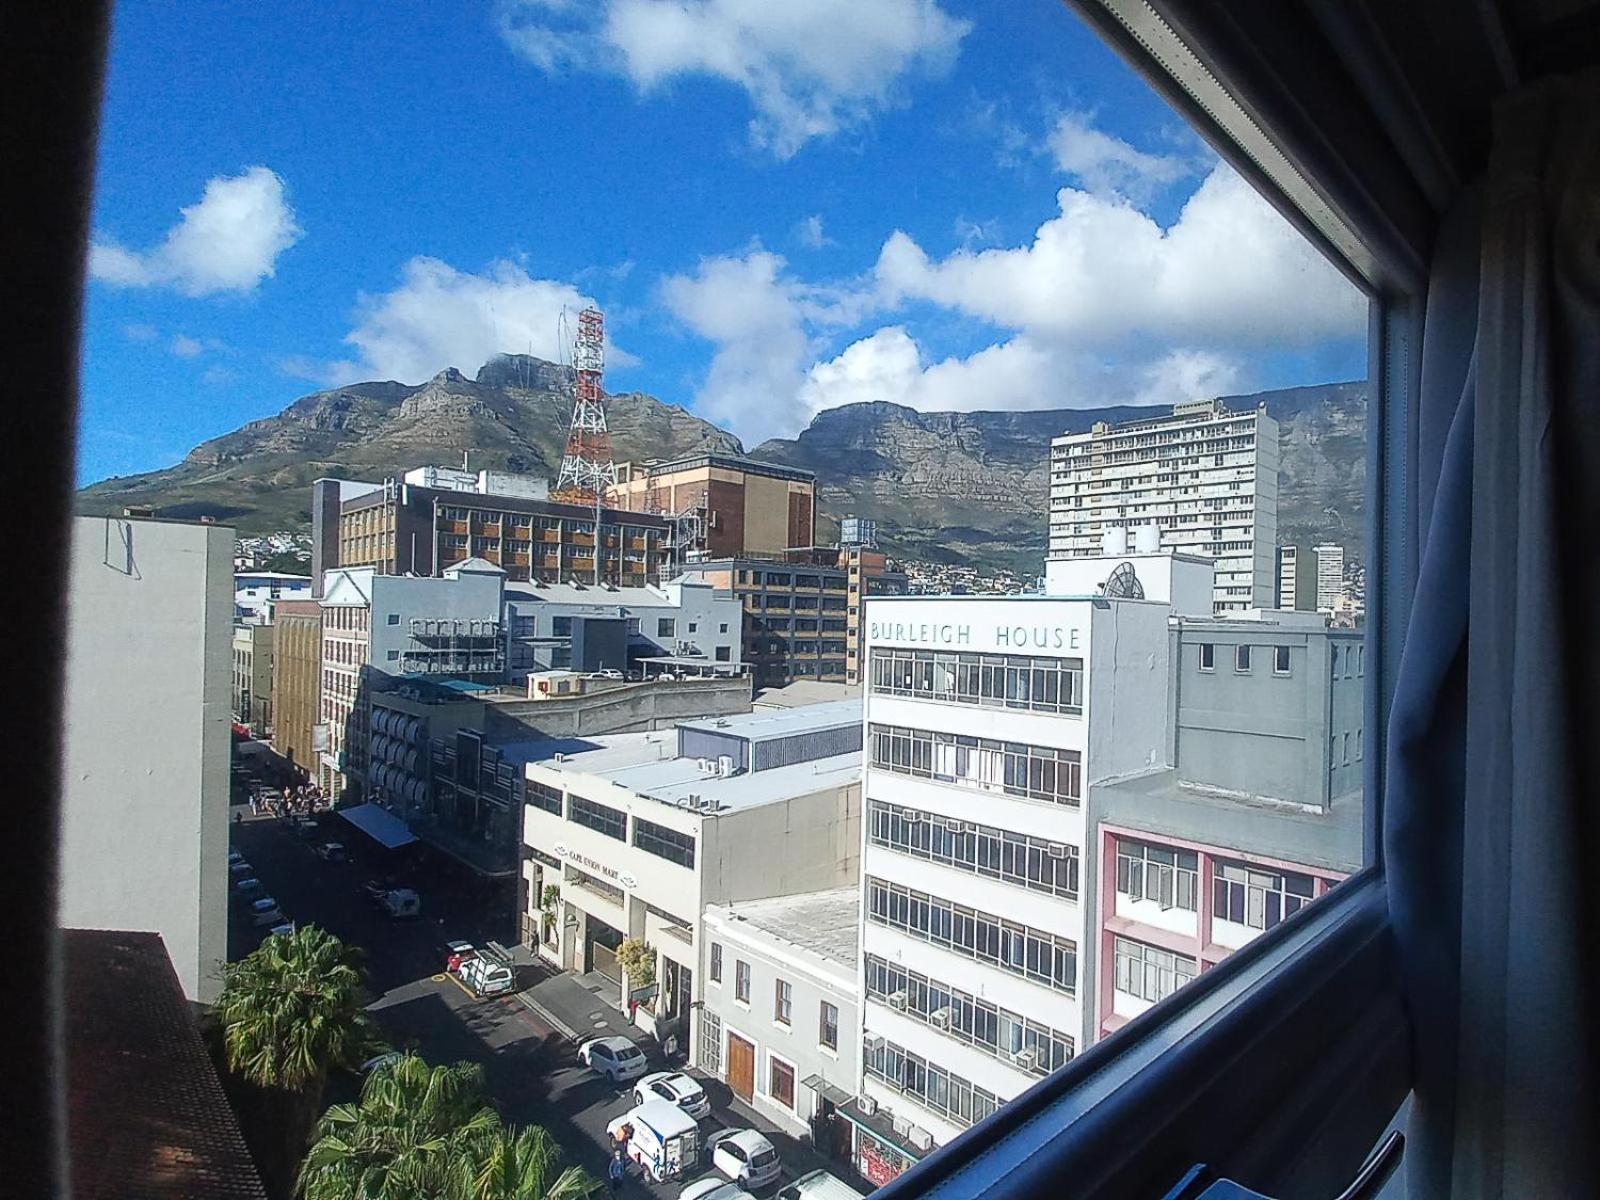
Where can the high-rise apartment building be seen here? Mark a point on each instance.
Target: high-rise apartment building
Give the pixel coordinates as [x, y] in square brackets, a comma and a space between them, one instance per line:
[1330, 576]
[296, 680]
[1297, 579]
[1206, 476]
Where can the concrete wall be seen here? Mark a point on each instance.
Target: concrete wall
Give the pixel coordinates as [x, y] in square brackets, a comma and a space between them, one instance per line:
[145, 776]
[1127, 688]
[820, 836]
[469, 596]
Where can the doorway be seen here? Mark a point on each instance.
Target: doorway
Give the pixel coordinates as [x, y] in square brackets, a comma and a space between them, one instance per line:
[741, 1067]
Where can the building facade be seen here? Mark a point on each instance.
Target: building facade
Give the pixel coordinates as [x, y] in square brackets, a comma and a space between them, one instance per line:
[1330, 576]
[723, 505]
[781, 1010]
[635, 835]
[986, 719]
[254, 592]
[252, 676]
[1297, 579]
[1206, 476]
[297, 683]
[147, 744]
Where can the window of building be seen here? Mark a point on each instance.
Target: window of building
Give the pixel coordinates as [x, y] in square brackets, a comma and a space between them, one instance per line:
[1358, 745]
[694, 626]
[1168, 876]
[394, 618]
[1208, 656]
[561, 627]
[543, 796]
[741, 981]
[663, 842]
[666, 627]
[782, 1002]
[1258, 898]
[1020, 859]
[716, 962]
[394, 655]
[1347, 749]
[1241, 658]
[780, 1084]
[1015, 768]
[724, 654]
[633, 626]
[1280, 660]
[828, 1026]
[956, 1099]
[722, 627]
[991, 680]
[1149, 973]
[600, 817]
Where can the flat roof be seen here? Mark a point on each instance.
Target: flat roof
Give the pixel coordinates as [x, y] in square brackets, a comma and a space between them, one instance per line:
[752, 466]
[804, 692]
[782, 722]
[598, 596]
[383, 827]
[646, 764]
[828, 924]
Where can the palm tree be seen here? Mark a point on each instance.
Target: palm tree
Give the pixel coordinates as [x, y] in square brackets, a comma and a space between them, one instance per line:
[519, 1164]
[406, 1137]
[291, 1012]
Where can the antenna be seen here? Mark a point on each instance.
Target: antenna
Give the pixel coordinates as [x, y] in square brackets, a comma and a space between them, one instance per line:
[587, 469]
[1123, 583]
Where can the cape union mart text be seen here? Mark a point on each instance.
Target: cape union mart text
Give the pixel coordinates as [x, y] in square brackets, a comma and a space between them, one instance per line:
[1006, 637]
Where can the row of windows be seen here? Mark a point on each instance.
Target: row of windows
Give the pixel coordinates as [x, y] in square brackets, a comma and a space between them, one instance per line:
[930, 1085]
[1243, 658]
[1017, 769]
[1259, 899]
[981, 1023]
[1015, 858]
[1019, 949]
[1149, 972]
[994, 680]
[543, 796]
[663, 842]
[1169, 877]
[782, 999]
[601, 818]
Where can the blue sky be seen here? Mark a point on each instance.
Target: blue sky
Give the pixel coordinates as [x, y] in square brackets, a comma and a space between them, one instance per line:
[781, 208]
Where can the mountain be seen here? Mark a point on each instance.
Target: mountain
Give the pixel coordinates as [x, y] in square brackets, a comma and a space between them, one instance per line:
[974, 487]
[950, 487]
[512, 417]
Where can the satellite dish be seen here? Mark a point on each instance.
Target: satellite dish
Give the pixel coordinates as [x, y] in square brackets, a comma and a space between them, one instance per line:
[1123, 583]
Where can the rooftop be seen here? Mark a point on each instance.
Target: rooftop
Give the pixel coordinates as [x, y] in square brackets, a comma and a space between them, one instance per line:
[1159, 803]
[147, 1118]
[803, 692]
[598, 596]
[769, 723]
[753, 466]
[825, 923]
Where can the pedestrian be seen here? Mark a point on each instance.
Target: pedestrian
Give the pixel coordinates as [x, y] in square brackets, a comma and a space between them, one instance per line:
[616, 1171]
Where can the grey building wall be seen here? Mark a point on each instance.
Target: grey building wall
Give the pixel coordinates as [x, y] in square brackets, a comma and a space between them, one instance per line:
[599, 643]
[324, 531]
[805, 747]
[398, 599]
[145, 775]
[696, 742]
[820, 836]
[1127, 688]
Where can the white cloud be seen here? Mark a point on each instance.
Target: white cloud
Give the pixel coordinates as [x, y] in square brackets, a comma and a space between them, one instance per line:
[1105, 164]
[140, 332]
[809, 233]
[810, 69]
[442, 317]
[228, 241]
[1229, 270]
[185, 346]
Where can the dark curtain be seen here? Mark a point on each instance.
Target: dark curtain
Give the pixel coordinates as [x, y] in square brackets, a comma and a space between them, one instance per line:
[1490, 821]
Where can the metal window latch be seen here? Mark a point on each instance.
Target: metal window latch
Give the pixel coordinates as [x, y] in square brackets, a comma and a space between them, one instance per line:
[1200, 1182]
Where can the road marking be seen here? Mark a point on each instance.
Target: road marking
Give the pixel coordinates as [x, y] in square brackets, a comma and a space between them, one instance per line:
[440, 978]
[464, 988]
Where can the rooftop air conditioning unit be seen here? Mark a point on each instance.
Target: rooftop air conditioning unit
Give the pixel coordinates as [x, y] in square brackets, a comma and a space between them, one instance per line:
[867, 1105]
[920, 1138]
[705, 764]
[725, 765]
[939, 1018]
[901, 1126]
[560, 757]
[898, 1000]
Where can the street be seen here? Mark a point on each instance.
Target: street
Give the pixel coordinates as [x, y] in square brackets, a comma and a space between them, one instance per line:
[531, 1068]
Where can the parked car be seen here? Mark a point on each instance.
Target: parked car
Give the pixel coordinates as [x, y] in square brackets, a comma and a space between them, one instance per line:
[240, 869]
[402, 903]
[676, 1087]
[248, 888]
[286, 928]
[456, 953]
[234, 857]
[265, 911]
[606, 673]
[818, 1185]
[744, 1156]
[332, 852]
[487, 977]
[615, 1057]
[713, 1188]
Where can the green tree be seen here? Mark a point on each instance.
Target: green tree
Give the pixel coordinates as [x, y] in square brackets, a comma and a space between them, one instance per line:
[291, 1012]
[407, 1139]
[520, 1164]
[638, 959]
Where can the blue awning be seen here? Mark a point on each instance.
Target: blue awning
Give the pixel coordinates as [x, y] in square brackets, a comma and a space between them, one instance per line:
[380, 825]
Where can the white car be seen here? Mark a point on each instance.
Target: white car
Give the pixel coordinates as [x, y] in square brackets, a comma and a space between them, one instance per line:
[712, 1188]
[744, 1156]
[615, 1057]
[250, 887]
[677, 1088]
[265, 911]
[239, 869]
[234, 857]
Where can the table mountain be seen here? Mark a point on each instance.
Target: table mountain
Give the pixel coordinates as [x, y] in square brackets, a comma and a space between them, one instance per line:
[953, 487]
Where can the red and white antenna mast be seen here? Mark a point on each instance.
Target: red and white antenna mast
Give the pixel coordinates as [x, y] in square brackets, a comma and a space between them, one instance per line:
[586, 468]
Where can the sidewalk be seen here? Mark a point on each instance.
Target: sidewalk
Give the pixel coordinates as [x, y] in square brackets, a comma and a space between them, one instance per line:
[578, 1013]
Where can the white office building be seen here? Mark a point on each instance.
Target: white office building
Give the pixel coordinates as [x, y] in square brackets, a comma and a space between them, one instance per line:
[1330, 576]
[1206, 476]
[986, 719]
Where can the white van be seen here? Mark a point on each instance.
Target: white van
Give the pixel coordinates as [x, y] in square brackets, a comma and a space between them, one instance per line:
[488, 978]
[662, 1138]
[818, 1185]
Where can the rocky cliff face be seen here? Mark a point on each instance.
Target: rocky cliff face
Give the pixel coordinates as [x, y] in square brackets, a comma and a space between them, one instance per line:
[960, 487]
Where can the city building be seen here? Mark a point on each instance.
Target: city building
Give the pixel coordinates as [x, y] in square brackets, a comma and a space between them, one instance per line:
[399, 624]
[1330, 576]
[802, 616]
[1259, 813]
[297, 683]
[447, 755]
[252, 676]
[147, 743]
[781, 1020]
[1297, 579]
[686, 625]
[146, 1114]
[255, 591]
[986, 721]
[399, 527]
[634, 835]
[1206, 476]
[723, 505]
